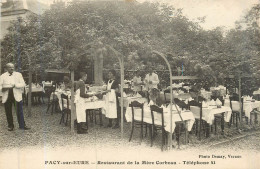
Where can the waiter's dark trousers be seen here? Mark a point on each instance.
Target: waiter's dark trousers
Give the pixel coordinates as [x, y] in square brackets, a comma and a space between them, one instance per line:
[19, 110]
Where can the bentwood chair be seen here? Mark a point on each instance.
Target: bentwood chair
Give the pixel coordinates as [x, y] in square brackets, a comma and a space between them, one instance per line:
[52, 102]
[256, 112]
[196, 108]
[165, 92]
[236, 110]
[92, 115]
[181, 125]
[157, 126]
[65, 110]
[219, 118]
[138, 123]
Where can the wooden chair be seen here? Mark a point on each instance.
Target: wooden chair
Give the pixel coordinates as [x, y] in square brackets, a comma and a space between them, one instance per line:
[218, 117]
[198, 120]
[92, 115]
[156, 126]
[235, 116]
[65, 110]
[52, 103]
[201, 99]
[167, 91]
[182, 104]
[256, 112]
[181, 125]
[183, 89]
[137, 123]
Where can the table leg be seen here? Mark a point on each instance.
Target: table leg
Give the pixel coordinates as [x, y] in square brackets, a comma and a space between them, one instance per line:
[208, 128]
[186, 132]
[256, 121]
[222, 124]
[87, 112]
[100, 117]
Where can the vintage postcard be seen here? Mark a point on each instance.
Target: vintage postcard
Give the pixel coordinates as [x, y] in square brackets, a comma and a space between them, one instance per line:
[130, 84]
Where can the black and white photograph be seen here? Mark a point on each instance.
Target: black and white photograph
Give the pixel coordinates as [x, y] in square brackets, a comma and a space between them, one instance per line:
[129, 84]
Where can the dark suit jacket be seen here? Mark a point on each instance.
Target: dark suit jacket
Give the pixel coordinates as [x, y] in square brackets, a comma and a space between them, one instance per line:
[81, 85]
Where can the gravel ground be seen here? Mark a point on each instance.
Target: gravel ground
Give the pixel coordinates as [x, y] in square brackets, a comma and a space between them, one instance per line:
[46, 131]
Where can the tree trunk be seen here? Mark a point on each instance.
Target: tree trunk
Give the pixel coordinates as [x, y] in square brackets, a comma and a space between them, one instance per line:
[98, 68]
[239, 94]
[73, 112]
[122, 98]
[30, 92]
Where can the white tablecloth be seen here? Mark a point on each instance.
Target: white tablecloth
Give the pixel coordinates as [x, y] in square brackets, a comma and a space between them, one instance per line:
[181, 96]
[206, 94]
[208, 113]
[248, 106]
[186, 116]
[57, 94]
[128, 100]
[34, 89]
[256, 92]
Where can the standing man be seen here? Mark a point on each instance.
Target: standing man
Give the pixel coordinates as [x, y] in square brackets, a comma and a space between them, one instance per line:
[11, 85]
[151, 81]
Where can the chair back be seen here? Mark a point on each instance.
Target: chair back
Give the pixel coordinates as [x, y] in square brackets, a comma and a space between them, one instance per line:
[165, 98]
[136, 104]
[200, 99]
[220, 98]
[183, 89]
[196, 108]
[159, 110]
[235, 105]
[183, 105]
[176, 100]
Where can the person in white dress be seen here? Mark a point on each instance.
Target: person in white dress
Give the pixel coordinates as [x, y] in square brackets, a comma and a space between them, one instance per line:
[111, 109]
[137, 82]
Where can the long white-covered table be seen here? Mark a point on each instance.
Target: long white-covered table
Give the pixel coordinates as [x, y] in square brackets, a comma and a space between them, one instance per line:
[209, 112]
[186, 116]
[248, 106]
[34, 89]
[128, 100]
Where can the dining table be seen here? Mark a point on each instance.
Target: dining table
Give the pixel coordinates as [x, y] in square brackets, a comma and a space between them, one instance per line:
[128, 99]
[208, 115]
[185, 116]
[248, 106]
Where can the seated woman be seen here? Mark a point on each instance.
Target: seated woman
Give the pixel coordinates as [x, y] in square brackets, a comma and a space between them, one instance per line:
[112, 110]
[80, 100]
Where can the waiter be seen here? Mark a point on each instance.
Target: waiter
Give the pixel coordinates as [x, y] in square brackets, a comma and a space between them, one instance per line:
[151, 80]
[12, 85]
[112, 110]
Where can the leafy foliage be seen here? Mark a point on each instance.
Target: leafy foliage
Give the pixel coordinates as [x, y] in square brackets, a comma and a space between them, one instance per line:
[65, 36]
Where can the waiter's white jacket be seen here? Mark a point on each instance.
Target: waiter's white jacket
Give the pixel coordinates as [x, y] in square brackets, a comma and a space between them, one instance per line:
[17, 79]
